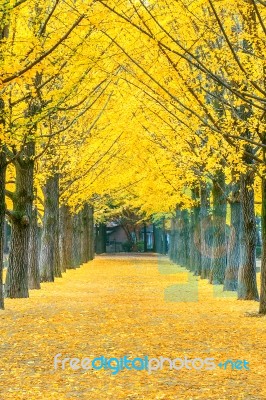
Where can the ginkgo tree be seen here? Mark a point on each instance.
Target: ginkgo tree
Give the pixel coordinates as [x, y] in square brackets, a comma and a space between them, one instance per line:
[161, 103]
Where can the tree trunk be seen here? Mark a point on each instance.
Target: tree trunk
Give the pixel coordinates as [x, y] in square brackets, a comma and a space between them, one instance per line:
[154, 248]
[163, 237]
[262, 309]
[100, 238]
[7, 233]
[157, 239]
[160, 241]
[76, 243]
[181, 238]
[205, 231]
[219, 245]
[85, 244]
[172, 240]
[2, 221]
[178, 237]
[247, 284]
[91, 234]
[186, 237]
[195, 256]
[145, 249]
[66, 237]
[17, 274]
[49, 254]
[233, 249]
[34, 275]
[192, 257]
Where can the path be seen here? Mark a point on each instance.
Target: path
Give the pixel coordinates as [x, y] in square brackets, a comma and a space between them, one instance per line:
[115, 306]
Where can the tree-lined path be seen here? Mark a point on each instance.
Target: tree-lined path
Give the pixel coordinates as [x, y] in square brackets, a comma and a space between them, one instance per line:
[133, 126]
[115, 306]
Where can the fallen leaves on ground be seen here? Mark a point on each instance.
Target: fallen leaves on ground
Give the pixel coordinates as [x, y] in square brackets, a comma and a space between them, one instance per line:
[116, 306]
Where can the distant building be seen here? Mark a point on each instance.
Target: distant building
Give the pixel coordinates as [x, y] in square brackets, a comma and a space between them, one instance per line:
[118, 240]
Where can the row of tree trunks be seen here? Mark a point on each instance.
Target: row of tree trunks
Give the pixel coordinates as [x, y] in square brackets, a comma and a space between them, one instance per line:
[224, 255]
[66, 240]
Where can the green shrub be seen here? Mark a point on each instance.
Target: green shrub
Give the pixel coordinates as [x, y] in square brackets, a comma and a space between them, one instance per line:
[140, 246]
[127, 246]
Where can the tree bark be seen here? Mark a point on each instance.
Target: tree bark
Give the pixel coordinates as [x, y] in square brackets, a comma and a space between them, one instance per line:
[163, 237]
[262, 309]
[185, 236]
[181, 238]
[219, 245]
[86, 234]
[205, 231]
[195, 256]
[160, 240]
[154, 248]
[66, 238]
[233, 249]
[145, 249]
[178, 237]
[157, 239]
[34, 275]
[49, 253]
[91, 234]
[247, 284]
[6, 237]
[17, 274]
[77, 232]
[172, 240]
[2, 221]
[101, 238]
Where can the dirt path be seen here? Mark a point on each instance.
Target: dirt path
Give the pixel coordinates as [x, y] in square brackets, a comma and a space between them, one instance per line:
[120, 306]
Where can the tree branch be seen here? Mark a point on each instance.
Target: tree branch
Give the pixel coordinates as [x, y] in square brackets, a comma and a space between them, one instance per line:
[45, 54]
